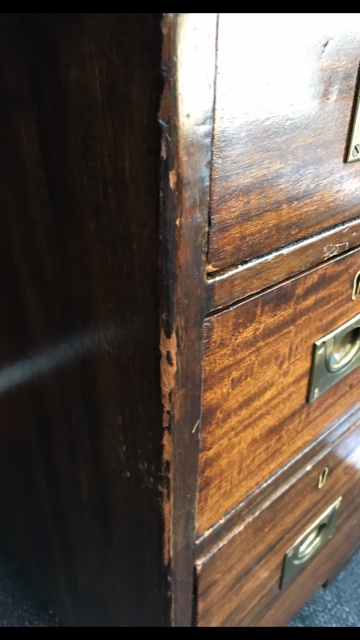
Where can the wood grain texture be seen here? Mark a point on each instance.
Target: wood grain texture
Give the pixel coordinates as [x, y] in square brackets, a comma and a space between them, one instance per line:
[253, 276]
[340, 565]
[238, 583]
[273, 487]
[284, 95]
[186, 117]
[257, 360]
[81, 480]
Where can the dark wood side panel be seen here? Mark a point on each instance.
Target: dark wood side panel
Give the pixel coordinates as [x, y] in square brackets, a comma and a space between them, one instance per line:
[80, 407]
[186, 117]
[284, 94]
[257, 360]
[239, 583]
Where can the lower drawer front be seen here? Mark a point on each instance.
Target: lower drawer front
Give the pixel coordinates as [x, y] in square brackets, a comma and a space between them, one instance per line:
[240, 582]
[257, 363]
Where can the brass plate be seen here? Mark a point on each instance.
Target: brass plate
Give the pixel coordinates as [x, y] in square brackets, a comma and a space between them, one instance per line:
[334, 356]
[353, 154]
[309, 543]
[356, 287]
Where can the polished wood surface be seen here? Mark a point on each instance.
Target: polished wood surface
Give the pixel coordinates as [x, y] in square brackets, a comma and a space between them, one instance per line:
[186, 118]
[225, 288]
[238, 583]
[81, 478]
[274, 486]
[139, 434]
[257, 360]
[284, 95]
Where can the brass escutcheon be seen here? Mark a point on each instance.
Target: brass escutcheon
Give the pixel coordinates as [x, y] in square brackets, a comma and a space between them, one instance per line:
[323, 477]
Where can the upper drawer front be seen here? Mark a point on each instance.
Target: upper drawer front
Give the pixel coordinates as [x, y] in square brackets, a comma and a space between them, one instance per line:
[285, 88]
[257, 363]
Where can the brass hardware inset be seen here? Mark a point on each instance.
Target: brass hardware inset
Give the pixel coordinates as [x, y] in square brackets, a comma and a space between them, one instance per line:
[335, 355]
[353, 153]
[323, 477]
[309, 543]
[356, 287]
[343, 350]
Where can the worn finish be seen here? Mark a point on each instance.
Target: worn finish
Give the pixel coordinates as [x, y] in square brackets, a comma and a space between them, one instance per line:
[186, 117]
[238, 583]
[234, 284]
[257, 359]
[284, 95]
[80, 459]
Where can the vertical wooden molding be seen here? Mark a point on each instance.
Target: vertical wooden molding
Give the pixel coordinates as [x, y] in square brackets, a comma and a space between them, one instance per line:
[186, 119]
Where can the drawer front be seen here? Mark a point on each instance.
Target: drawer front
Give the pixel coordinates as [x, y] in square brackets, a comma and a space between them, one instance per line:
[257, 364]
[285, 88]
[240, 583]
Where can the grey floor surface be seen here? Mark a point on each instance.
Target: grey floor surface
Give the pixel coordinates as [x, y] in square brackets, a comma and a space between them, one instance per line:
[336, 606]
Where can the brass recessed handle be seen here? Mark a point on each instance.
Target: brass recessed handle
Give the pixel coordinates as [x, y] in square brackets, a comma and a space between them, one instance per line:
[356, 286]
[309, 543]
[334, 356]
[341, 351]
[353, 151]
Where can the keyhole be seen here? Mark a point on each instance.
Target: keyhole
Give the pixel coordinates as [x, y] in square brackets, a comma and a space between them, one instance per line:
[323, 477]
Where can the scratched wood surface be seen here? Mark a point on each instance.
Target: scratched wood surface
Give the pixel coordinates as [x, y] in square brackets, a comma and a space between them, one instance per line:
[238, 584]
[284, 95]
[81, 478]
[257, 360]
[186, 117]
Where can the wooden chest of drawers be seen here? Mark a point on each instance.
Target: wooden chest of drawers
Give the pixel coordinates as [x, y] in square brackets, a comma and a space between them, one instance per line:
[179, 235]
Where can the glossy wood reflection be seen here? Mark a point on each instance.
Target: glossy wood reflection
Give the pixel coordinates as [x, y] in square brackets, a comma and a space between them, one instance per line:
[239, 584]
[284, 96]
[256, 373]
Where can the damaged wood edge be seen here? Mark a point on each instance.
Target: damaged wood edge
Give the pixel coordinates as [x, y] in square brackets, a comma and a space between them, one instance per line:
[168, 371]
[186, 123]
[224, 288]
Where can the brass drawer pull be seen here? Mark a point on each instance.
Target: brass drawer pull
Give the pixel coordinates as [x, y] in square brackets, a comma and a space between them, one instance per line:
[309, 543]
[334, 356]
[353, 153]
[340, 352]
